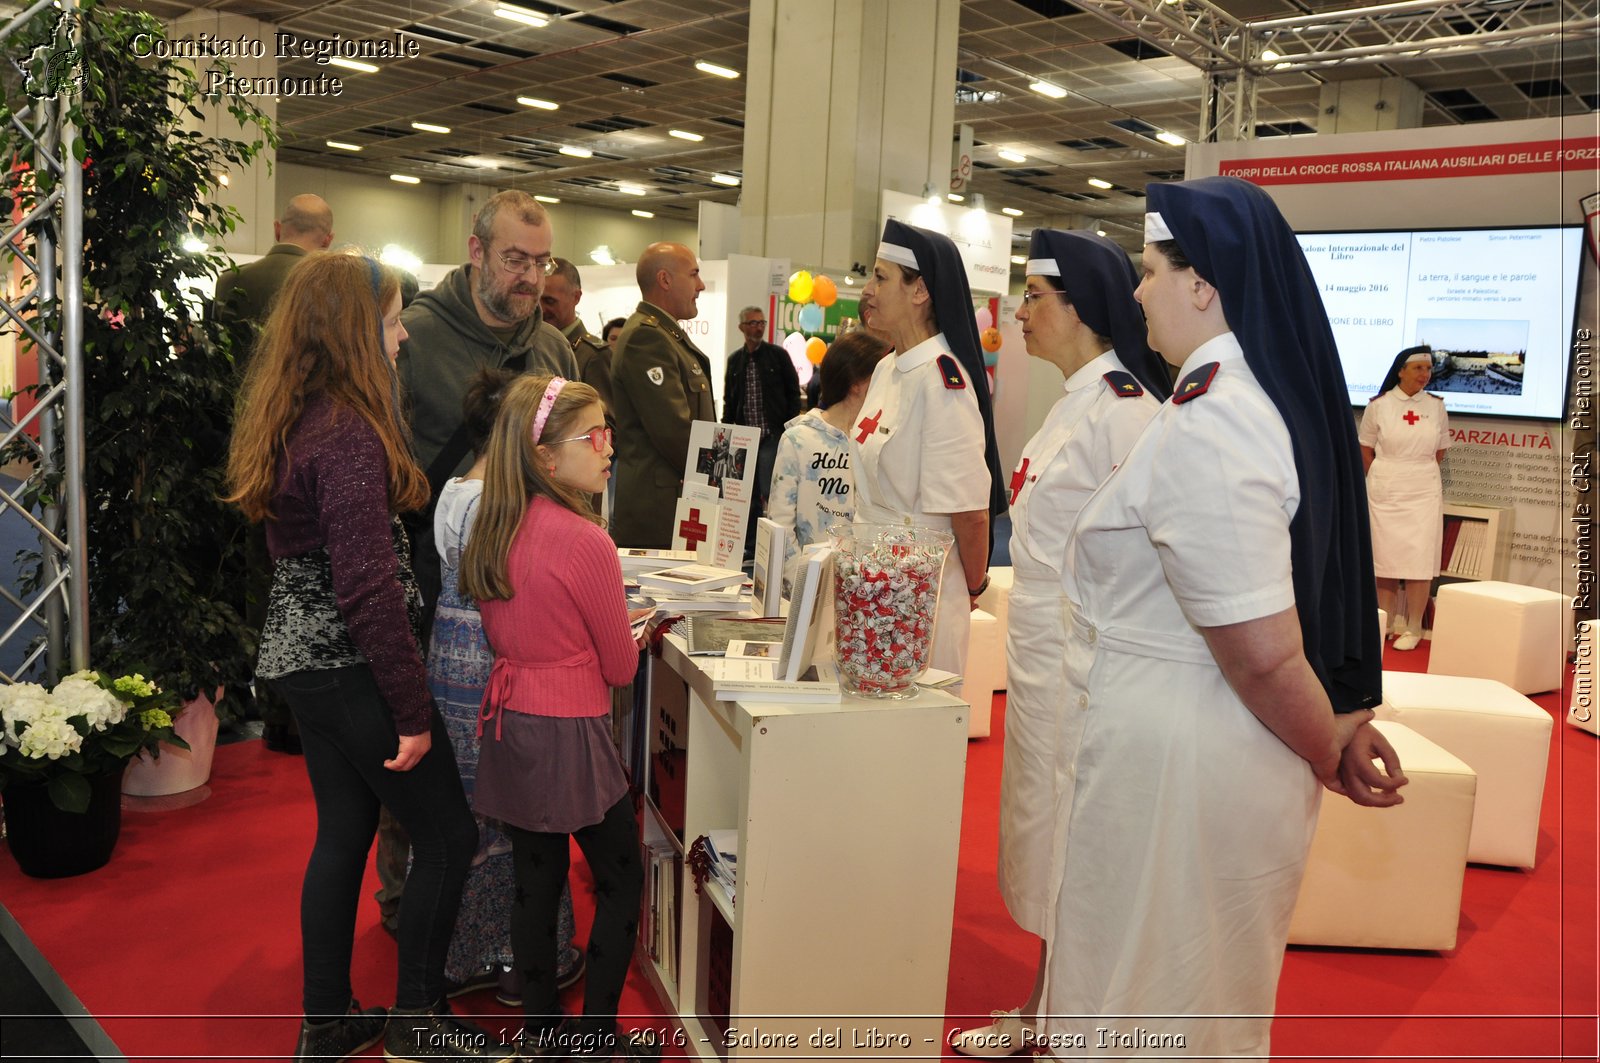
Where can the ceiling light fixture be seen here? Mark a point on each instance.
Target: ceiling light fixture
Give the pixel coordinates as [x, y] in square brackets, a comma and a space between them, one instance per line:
[1270, 56]
[1019, 260]
[725, 179]
[522, 15]
[534, 101]
[631, 190]
[1012, 211]
[850, 280]
[351, 64]
[429, 127]
[575, 151]
[1171, 138]
[192, 244]
[224, 180]
[1099, 232]
[641, 213]
[715, 68]
[547, 199]
[405, 179]
[1011, 156]
[602, 256]
[342, 146]
[1044, 88]
[684, 134]
[483, 162]
[954, 198]
[1095, 182]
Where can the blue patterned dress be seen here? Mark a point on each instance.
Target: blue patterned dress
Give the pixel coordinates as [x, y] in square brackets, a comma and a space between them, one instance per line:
[459, 659]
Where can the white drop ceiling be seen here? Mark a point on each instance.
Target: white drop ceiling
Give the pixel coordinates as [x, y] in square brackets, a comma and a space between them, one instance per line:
[623, 73]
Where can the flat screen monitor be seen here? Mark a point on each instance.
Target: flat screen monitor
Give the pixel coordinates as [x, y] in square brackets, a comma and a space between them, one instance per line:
[1496, 305]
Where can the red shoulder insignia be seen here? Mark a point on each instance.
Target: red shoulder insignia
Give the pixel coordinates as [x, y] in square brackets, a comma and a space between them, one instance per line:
[1195, 384]
[1123, 384]
[950, 371]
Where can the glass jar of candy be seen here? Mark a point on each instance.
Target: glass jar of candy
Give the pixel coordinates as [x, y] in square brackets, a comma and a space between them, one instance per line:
[886, 593]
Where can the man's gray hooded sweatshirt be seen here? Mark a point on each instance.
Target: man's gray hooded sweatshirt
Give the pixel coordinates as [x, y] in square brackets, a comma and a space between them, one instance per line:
[446, 345]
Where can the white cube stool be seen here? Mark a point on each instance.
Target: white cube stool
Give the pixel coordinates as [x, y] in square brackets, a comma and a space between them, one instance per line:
[986, 666]
[1503, 631]
[1503, 735]
[996, 599]
[1581, 711]
[1390, 878]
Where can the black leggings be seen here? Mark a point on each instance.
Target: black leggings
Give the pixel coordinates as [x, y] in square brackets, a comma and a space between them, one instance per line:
[348, 732]
[540, 861]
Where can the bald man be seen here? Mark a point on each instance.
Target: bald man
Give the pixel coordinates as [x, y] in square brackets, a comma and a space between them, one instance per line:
[660, 384]
[243, 300]
[245, 294]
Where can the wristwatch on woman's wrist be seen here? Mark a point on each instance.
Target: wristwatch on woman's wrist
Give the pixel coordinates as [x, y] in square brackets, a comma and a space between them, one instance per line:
[980, 588]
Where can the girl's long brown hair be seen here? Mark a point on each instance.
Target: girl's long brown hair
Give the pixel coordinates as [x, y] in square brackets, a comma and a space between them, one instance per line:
[515, 475]
[325, 336]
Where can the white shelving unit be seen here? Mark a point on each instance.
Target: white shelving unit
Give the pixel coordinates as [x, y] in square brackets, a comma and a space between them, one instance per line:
[849, 822]
[1483, 543]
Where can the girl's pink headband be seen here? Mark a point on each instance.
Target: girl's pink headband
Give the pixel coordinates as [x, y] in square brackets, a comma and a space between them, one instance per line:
[546, 404]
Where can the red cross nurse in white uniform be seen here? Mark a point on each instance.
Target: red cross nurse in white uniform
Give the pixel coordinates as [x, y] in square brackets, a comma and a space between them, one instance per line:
[1404, 434]
[923, 445]
[1077, 313]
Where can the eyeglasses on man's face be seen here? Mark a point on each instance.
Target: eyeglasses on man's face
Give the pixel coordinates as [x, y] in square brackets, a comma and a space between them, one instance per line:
[599, 439]
[518, 263]
[753, 321]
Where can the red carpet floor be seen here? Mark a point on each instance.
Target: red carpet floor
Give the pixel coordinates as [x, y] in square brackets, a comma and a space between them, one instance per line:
[186, 946]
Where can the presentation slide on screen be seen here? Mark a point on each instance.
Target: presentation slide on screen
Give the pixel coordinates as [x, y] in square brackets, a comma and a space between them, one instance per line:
[1496, 305]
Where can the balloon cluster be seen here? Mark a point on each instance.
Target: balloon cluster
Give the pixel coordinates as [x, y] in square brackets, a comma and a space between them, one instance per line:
[988, 335]
[814, 294]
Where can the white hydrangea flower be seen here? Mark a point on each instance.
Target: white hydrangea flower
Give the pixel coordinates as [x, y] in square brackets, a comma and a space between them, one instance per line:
[82, 697]
[26, 703]
[49, 738]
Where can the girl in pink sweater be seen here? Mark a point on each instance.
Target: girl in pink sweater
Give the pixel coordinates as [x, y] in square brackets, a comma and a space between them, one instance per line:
[549, 588]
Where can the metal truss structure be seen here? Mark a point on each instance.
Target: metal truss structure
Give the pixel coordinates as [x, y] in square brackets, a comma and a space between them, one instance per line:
[43, 250]
[1234, 53]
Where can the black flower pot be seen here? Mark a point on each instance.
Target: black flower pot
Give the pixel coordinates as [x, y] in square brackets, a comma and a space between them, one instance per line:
[49, 843]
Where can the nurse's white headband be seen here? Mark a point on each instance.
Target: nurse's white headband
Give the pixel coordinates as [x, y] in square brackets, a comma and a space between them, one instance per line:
[1420, 356]
[900, 256]
[1043, 267]
[1155, 230]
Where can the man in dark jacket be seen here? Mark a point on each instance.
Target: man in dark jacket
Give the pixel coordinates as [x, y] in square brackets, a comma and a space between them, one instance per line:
[485, 314]
[244, 297]
[761, 389]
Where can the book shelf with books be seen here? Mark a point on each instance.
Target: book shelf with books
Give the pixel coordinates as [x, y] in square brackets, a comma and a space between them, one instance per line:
[1476, 542]
[847, 816]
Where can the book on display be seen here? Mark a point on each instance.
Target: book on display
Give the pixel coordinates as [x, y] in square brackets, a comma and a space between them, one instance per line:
[691, 579]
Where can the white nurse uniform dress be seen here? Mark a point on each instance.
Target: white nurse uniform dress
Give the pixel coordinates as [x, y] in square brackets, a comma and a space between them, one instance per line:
[1405, 494]
[1086, 433]
[918, 453]
[1184, 823]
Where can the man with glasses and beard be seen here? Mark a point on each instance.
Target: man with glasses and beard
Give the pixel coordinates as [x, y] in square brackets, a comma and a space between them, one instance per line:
[482, 315]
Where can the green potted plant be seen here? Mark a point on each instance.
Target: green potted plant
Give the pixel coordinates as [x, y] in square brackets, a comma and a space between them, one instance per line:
[62, 755]
[164, 556]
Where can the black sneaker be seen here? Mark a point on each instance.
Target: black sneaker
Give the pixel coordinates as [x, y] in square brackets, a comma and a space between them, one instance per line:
[429, 1034]
[341, 1038]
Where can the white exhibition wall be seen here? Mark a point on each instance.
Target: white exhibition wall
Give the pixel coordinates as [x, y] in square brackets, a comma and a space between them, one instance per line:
[1485, 174]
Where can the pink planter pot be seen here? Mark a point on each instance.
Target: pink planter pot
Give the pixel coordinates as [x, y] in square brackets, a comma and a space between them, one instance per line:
[178, 770]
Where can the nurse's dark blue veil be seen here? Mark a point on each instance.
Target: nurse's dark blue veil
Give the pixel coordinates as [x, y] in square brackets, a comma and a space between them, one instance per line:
[940, 265]
[1234, 236]
[1392, 377]
[1099, 280]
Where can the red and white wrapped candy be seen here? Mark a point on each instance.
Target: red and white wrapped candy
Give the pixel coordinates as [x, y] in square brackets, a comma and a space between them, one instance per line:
[886, 592]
